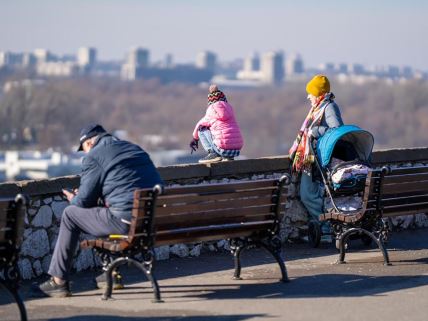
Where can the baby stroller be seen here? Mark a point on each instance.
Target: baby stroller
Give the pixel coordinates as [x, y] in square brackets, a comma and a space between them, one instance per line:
[342, 158]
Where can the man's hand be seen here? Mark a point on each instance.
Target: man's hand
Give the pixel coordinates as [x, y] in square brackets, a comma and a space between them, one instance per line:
[193, 145]
[69, 195]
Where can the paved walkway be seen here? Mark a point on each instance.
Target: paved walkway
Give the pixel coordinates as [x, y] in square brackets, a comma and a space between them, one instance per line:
[201, 289]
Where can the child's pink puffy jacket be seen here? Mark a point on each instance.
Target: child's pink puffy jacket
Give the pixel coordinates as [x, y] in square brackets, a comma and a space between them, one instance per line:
[221, 121]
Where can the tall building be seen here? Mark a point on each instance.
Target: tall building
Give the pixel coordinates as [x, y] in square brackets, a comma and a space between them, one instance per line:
[169, 62]
[86, 57]
[251, 69]
[356, 69]
[272, 67]
[131, 72]
[138, 57]
[206, 60]
[252, 62]
[4, 58]
[43, 55]
[137, 60]
[294, 65]
[29, 60]
[10, 59]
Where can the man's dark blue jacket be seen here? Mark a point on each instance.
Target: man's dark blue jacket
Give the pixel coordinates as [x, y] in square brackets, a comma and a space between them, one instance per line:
[112, 170]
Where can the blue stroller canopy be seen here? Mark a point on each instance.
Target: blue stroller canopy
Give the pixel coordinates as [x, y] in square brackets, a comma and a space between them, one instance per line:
[362, 141]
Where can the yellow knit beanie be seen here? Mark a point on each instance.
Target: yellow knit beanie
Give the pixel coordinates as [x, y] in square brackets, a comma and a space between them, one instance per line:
[317, 86]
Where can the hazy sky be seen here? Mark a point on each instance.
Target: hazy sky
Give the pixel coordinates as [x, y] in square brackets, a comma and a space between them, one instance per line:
[364, 31]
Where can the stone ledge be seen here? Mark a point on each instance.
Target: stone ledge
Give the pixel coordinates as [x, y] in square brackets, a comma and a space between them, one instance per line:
[48, 186]
[188, 171]
[9, 189]
[400, 155]
[199, 172]
[250, 166]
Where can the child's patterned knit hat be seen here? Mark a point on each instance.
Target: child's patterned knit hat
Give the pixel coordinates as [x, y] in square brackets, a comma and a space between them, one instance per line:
[215, 95]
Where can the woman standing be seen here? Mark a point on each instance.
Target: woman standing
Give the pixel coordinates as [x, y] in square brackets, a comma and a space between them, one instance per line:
[324, 114]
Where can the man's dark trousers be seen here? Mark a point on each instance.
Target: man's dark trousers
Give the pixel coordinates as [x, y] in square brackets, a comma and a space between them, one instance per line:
[96, 221]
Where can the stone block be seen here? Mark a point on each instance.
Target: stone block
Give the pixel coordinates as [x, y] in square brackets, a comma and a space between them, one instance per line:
[25, 269]
[196, 250]
[84, 260]
[162, 252]
[37, 268]
[58, 207]
[180, 250]
[46, 261]
[43, 217]
[36, 244]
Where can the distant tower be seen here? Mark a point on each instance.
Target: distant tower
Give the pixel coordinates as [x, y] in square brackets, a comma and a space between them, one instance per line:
[356, 69]
[272, 67]
[29, 60]
[206, 60]
[10, 59]
[86, 57]
[138, 57]
[4, 58]
[42, 55]
[169, 61]
[294, 65]
[252, 62]
[137, 61]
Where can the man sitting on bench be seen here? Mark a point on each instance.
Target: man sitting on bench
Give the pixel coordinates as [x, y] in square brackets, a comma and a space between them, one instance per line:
[112, 170]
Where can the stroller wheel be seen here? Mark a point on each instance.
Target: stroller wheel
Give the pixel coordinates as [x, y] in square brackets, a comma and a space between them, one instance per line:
[314, 233]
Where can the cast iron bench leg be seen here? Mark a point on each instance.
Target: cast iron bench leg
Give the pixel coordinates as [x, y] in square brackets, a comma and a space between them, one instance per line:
[275, 250]
[12, 290]
[344, 238]
[147, 272]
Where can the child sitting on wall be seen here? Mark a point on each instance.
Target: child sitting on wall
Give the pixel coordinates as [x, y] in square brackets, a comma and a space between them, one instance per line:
[218, 130]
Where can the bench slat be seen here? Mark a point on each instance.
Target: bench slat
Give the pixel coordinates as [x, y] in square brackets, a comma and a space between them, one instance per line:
[409, 170]
[405, 178]
[197, 199]
[392, 207]
[210, 218]
[218, 232]
[244, 212]
[390, 200]
[409, 210]
[220, 188]
[209, 223]
[420, 186]
[205, 206]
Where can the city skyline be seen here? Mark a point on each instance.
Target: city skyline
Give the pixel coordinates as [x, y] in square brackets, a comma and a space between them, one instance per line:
[381, 33]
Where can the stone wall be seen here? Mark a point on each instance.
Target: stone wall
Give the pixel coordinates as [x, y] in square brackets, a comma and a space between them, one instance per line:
[47, 203]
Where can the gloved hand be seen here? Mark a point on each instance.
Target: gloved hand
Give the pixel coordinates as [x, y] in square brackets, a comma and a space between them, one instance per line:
[194, 145]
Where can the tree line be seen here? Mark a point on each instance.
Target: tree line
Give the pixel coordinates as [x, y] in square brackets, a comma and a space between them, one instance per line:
[51, 115]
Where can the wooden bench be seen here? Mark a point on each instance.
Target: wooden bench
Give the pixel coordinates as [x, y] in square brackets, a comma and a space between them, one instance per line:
[247, 213]
[12, 214]
[388, 192]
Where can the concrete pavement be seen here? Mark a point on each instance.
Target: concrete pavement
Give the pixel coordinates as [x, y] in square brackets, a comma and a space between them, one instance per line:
[201, 288]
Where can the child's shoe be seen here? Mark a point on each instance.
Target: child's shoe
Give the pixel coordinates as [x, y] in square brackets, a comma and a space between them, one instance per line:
[210, 158]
